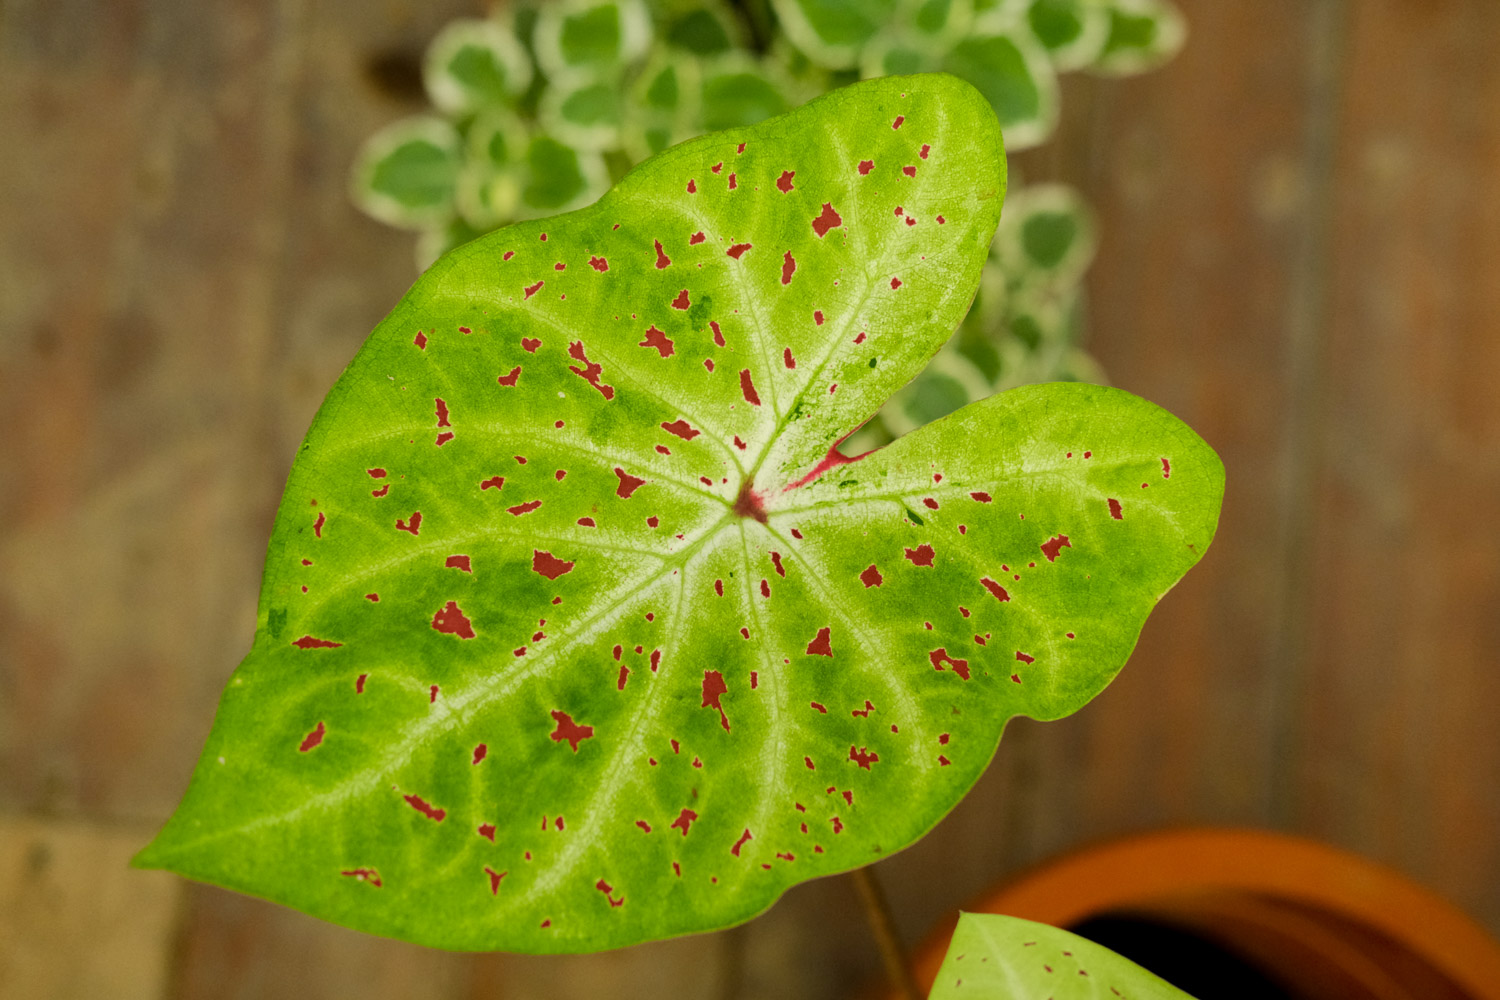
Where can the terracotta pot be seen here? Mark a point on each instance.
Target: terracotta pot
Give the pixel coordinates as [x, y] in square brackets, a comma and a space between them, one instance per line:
[1324, 922]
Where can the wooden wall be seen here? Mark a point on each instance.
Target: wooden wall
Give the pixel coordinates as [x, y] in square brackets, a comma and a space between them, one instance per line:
[1301, 257]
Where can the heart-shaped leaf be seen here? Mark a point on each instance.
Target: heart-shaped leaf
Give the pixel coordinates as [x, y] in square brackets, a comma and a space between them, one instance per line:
[577, 631]
[998, 956]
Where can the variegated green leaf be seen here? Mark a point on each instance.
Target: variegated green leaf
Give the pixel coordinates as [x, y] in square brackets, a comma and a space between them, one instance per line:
[474, 64]
[1143, 34]
[578, 631]
[590, 39]
[993, 956]
[406, 174]
[832, 32]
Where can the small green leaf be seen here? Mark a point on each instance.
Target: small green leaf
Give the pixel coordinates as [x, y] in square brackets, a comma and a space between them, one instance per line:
[474, 64]
[1073, 31]
[577, 630]
[997, 956]
[831, 32]
[1143, 34]
[1048, 235]
[1012, 70]
[590, 39]
[586, 117]
[738, 93]
[703, 31]
[560, 178]
[406, 174]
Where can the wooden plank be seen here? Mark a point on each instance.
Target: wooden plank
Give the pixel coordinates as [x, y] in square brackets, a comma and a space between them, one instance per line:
[1399, 756]
[75, 921]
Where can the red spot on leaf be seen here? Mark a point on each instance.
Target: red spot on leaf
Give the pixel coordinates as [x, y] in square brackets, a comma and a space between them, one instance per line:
[865, 166]
[784, 182]
[717, 167]
[653, 520]
[940, 656]
[523, 508]
[925, 150]
[719, 587]
[733, 183]
[531, 290]
[318, 525]
[659, 340]
[643, 825]
[838, 825]
[776, 561]
[549, 565]
[359, 684]
[684, 820]
[897, 123]
[369, 875]
[714, 689]
[662, 260]
[895, 283]
[568, 730]
[413, 525]
[871, 577]
[1114, 510]
[495, 878]
[737, 250]
[494, 482]
[820, 645]
[530, 344]
[909, 171]
[819, 706]
[313, 738]
[1024, 658]
[787, 359]
[863, 713]
[431, 812]
[487, 831]
[744, 837]
[747, 386]
[863, 757]
[458, 562]
[682, 301]
[981, 497]
[921, 555]
[606, 888]
[692, 187]
[765, 588]
[420, 340]
[442, 413]
[590, 371]
[479, 753]
[452, 621]
[681, 428]
[788, 267]
[510, 380]
[1054, 545]
[599, 264]
[931, 503]
[994, 588]
[655, 659]
[941, 220]
[443, 438]
[696, 238]
[829, 219]
[308, 642]
[628, 483]
[718, 335]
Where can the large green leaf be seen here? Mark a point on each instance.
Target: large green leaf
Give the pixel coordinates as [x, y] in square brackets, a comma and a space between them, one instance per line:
[996, 956]
[577, 632]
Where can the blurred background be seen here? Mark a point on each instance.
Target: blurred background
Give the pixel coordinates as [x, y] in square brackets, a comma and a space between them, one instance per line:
[1298, 252]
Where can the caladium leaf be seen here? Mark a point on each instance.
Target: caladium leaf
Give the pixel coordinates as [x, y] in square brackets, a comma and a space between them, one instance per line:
[577, 631]
[999, 956]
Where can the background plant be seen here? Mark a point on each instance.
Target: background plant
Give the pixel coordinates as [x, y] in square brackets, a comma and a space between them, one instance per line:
[540, 107]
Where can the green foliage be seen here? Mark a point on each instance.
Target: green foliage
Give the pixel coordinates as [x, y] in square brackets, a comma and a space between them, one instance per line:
[998, 956]
[577, 632]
